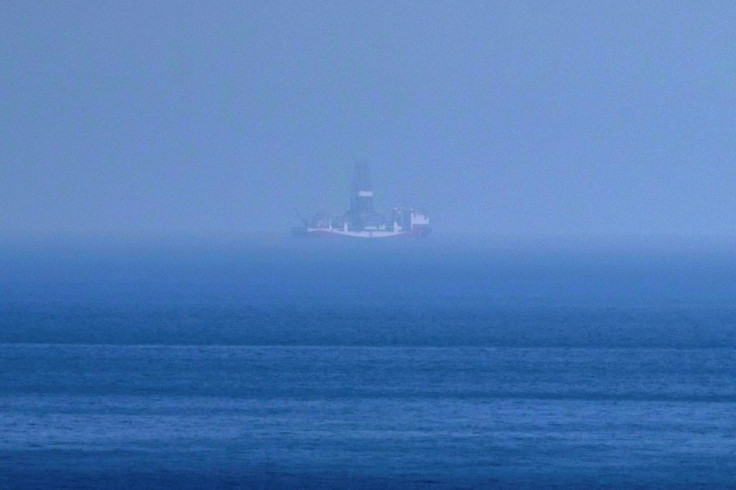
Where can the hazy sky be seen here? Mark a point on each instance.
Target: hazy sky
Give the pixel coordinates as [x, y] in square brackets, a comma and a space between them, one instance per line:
[510, 117]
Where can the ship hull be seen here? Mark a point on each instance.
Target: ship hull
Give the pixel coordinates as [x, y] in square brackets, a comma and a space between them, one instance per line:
[372, 234]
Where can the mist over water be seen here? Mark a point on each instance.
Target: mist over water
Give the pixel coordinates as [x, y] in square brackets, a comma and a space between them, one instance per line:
[310, 292]
[579, 117]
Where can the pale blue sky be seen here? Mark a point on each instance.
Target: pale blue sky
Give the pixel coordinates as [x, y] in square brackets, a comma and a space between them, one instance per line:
[502, 117]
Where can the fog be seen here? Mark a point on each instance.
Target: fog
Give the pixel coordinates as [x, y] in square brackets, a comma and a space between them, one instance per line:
[577, 119]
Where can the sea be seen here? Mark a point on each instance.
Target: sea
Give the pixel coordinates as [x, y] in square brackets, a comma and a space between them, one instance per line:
[441, 363]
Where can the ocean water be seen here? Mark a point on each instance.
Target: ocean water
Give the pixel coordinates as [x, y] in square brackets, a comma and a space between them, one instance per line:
[341, 365]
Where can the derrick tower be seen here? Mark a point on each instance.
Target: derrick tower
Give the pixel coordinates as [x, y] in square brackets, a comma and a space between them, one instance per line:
[361, 195]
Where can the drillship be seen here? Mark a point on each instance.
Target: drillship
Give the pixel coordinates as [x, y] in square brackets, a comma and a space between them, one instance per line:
[361, 221]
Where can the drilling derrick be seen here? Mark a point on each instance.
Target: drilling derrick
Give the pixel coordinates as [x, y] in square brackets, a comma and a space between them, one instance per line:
[361, 198]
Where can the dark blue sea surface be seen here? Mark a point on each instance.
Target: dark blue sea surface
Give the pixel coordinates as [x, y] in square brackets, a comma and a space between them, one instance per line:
[413, 365]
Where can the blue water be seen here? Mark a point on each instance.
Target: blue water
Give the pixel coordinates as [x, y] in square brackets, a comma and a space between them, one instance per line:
[412, 365]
